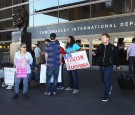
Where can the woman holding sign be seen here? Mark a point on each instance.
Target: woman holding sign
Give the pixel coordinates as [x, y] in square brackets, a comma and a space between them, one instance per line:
[72, 47]
[22, 62]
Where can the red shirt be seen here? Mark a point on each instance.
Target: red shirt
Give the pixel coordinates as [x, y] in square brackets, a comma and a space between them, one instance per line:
[62, 51]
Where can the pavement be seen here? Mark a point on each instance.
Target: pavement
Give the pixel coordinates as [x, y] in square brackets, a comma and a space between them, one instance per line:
[86, 102]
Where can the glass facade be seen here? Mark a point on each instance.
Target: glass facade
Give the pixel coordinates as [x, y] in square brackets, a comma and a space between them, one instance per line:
[46, 12]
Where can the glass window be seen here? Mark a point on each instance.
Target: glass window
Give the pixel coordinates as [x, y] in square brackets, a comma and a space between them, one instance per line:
[44, 4]
[66, 2]
[19, 1]
[70, 13]
[44, 19]
[2, 25]
[5, 36]
[8, 3]
[110, 7]
[43, 14]
[31, 22]
[76, 13]
[8, 13]
[8, 24]
[2, 14]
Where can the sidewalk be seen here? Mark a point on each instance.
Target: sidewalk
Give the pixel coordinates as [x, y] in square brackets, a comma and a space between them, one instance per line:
[86, 102]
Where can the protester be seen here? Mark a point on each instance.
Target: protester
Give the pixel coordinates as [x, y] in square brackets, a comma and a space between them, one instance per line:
[131, 57]
[62, 51]
[107, 55]
[72, 47]
[22, 57]
[37, 51]
[53, 61]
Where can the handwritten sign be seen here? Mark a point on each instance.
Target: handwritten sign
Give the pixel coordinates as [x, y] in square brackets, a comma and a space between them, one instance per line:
[43, 74]
[9, 74]
[77, 60]
[21, 68]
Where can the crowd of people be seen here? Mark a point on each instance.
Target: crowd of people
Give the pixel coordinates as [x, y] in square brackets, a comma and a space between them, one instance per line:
[106, 54]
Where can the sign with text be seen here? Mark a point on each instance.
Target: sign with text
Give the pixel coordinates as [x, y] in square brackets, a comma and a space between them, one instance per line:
[76, 60]
[9, 74]
[86, 27]
[43, 74]
[21, 68]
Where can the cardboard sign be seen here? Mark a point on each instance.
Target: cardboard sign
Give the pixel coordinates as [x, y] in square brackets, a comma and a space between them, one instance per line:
[43, 74]
[9, 74]
[77, 60]
[21, 68]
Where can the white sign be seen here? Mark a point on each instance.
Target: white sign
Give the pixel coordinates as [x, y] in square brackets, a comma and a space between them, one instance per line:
[43, 74]
[9, 75]
[77, 60]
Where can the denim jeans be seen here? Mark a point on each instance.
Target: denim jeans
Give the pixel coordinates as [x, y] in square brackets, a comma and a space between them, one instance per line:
[34, 74]
[73, 79]
[131, 65]
[25, 84]
[106, 73]
[49, 72]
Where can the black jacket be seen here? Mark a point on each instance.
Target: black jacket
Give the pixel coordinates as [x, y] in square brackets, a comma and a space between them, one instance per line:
[107, 55]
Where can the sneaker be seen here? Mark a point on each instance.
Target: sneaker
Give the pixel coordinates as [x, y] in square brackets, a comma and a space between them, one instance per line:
[110, 90]
[47, 94]
[75, 91]
[68, 89]
[54, 93]
[15, 96]
[60, 88]
[9, 87]
[105, 99]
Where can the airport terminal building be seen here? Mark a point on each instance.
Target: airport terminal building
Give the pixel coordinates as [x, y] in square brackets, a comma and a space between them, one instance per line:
[84, 19]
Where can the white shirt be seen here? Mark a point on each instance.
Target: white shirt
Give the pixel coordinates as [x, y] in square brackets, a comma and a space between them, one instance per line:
[37, 52]
[131, 50]
[27, 56]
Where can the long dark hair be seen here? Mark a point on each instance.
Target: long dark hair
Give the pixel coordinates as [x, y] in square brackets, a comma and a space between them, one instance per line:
[72, 41]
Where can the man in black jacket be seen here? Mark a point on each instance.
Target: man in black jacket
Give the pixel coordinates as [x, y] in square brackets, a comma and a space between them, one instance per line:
[107, 56]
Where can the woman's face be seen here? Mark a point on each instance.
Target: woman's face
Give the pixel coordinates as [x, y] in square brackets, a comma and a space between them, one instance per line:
[23, 48]
[68, 40]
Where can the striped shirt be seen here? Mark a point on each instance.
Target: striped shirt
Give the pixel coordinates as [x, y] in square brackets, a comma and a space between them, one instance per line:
[53, 51]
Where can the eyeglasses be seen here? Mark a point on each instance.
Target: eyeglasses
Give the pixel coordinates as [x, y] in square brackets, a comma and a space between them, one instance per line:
[23, 47]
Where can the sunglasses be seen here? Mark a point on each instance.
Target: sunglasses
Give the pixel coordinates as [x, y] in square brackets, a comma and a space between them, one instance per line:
[23, 47]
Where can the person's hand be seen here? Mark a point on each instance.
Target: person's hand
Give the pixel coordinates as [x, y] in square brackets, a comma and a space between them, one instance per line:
[27, 61]
[93, 53]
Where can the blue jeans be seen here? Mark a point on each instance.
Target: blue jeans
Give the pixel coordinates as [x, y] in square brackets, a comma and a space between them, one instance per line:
[34, 74]
[73, 79]
[106, 73]
[131, 65]
[49, 72]
[25, 84]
